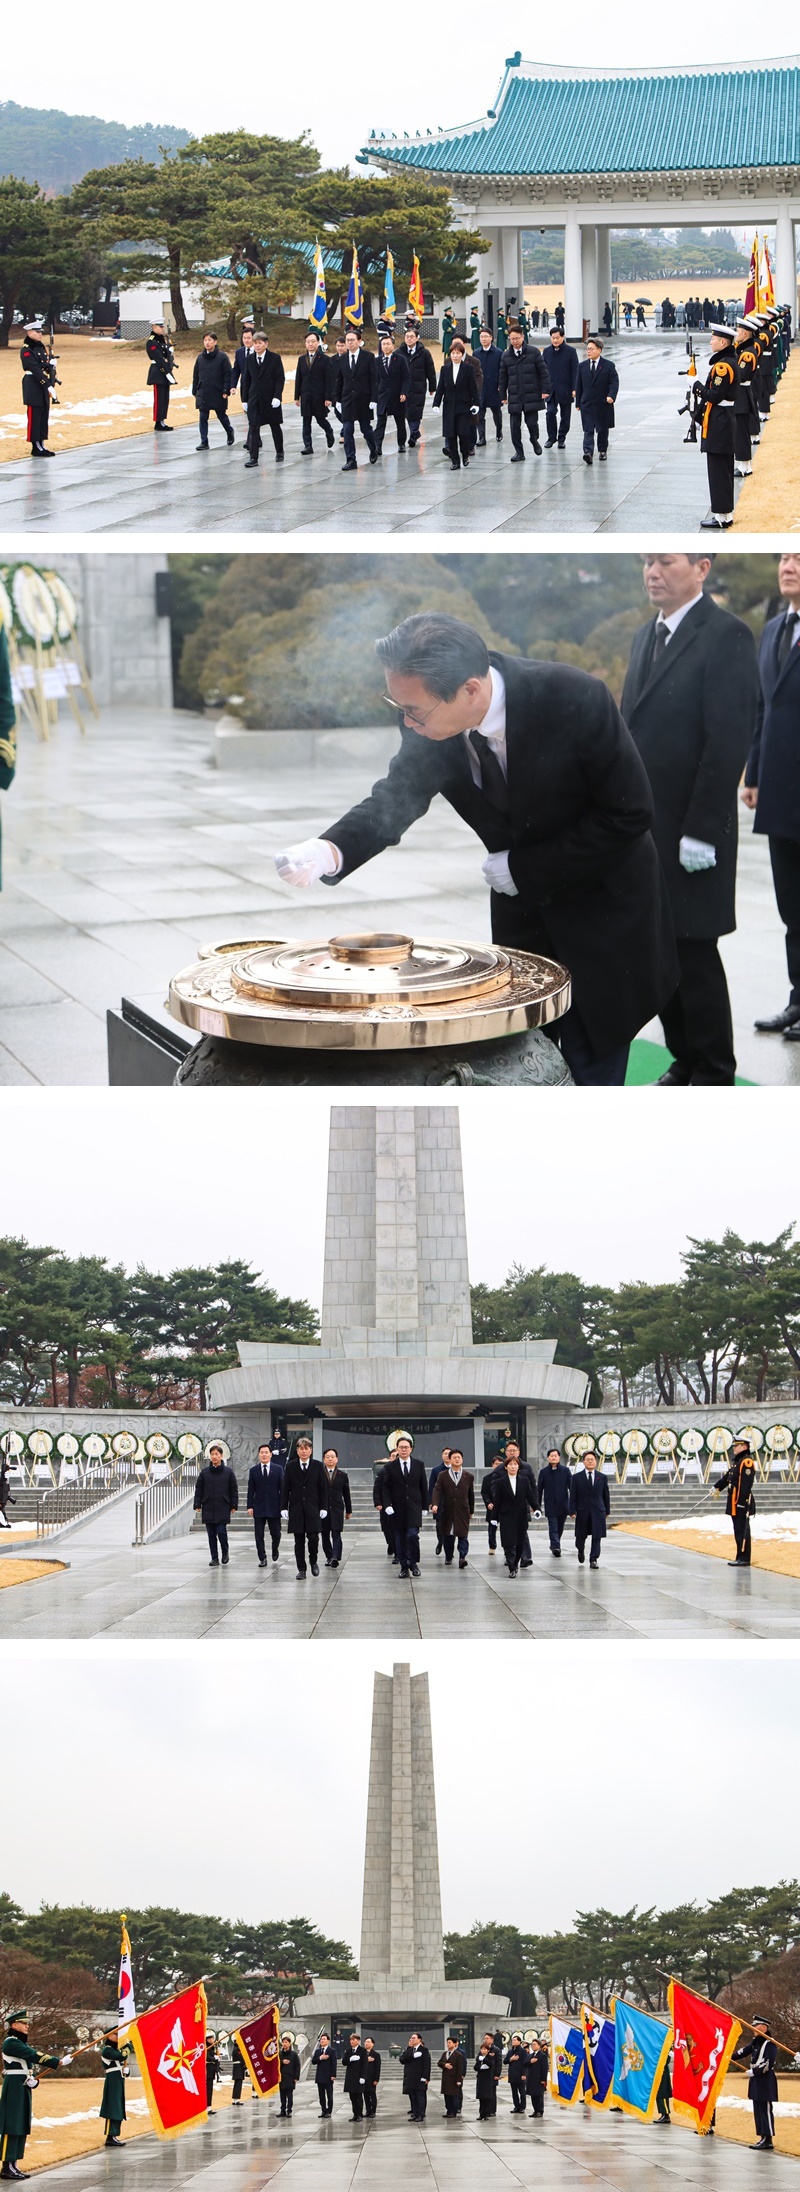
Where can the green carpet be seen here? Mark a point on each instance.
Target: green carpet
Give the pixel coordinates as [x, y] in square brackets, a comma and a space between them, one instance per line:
[648, 1061]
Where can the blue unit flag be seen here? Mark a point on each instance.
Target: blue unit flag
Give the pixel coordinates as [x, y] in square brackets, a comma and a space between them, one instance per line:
[566, 2060]
[642, 2044]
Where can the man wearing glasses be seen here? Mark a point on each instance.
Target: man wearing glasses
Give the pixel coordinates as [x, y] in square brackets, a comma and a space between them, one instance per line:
[536, 758]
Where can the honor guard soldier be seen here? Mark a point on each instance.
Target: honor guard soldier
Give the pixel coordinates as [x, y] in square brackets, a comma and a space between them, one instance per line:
[738, 1482]
[717, 437]
[161, 374]
[20, 2062]
[745, 412]
[762, 2087]
[112, 2100]
[449, 329]
[475, 328]
[37, 383]
[501, 337]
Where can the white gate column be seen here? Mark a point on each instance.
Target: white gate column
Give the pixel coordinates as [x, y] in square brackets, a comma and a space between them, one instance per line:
[785, 266]
[603, 270]
[589, 259]
[511, 266]
[573, 275]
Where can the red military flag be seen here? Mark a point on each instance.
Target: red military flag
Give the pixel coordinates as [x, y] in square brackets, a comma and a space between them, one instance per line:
[705, 2038]
[752, 300]
[416, 300]
[170, 2047]
[259, 2045]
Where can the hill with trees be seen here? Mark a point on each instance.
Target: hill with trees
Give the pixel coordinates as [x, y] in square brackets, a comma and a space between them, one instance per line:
[46, 146]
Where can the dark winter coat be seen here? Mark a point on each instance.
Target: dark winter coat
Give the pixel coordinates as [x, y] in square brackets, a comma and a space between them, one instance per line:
[406, 1495]
[261, 384]
[265, 1491]
[454, 1504]
[312, 382]
[456, 396]
[581, 853]
[592, 391]
[305, 1493]
[773, 762]
[216, 1493]
[392, 381]
[339, 1501]
[416, 2062]
[590, 1500]
[490, 362]
[692, 716]
[354, 2064]
[454, 2070]
[552, 1490]
[523, 378]
[324, 2060]
[561, 367]
[421, 378]
[356, 385]
[211, 379]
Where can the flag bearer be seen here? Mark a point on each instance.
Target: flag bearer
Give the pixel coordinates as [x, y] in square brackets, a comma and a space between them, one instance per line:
[20, 2060]
[112, 2100]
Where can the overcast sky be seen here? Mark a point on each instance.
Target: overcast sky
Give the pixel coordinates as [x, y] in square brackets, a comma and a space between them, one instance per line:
[580, 1181]
[340, 84]
[603, 1776]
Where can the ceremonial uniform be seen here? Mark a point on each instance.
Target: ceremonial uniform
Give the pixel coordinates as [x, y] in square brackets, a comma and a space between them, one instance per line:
[501, 338]
[238, 2073]
[8, 724]
[745, 408]
[740, 1504]
[416, 2064]
[36, 386]
[312, 392]
[449, 329]
[762, 2085]
[112, 2098]
[212, 2071]
[159, 378]
[324, 2065]
[20, 2062]
[718, 434]
[289, 2067]
[262, 388]
[475, 328]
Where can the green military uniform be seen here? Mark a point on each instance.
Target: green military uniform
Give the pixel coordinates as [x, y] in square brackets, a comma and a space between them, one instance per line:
[475, 328]
[16, 2107]
[501, 338]
[448, 331]
[8, 722]
[112, 2099]
[524, 322]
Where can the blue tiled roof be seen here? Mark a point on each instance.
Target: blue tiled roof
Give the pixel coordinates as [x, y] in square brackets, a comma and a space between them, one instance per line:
[558, 125]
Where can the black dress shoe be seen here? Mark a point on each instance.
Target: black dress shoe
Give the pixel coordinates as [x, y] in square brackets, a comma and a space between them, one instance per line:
[213, 1564]
[225, 1560]
[462, 1561]
[587, 459]
[252, 464]
[416, 1571]
[301, 1575]
[594, 1563]
[518, 459]
[374, 455]
[537, 448]
[204, 446]
[673, 1078]
[333, 1564]
[350, 467]
[791, 1035]
[276, 1556]
[403, 1574]
[448, 1560]
[279, 456]
[308, 452]
[780, 1021]
[581, 1557]
[262, 1564]
[315, 1567]
[551, 444]
[603, 455]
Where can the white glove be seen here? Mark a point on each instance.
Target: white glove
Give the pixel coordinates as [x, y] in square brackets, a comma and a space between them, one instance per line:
[388, 1510]
[497, 874]
[307, 863]
[694, 855]
[284, 1514]
[323, 1514]
[276, 403]
[473, 410]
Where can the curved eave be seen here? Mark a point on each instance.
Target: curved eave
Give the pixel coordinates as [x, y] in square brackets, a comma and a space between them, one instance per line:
[470, 184]
[459, 1378]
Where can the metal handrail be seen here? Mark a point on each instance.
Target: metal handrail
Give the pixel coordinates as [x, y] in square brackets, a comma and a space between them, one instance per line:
[157, 1501]
[66, 1501]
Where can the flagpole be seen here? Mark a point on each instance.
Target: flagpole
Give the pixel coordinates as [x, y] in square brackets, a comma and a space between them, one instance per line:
[669, 1976]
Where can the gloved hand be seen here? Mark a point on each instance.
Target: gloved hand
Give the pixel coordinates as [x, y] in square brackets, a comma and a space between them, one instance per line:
[694, 855]
[388, 1510]
[473, 410]
[276, 403]
[323, 1514]
[308, 862]
[497, 874]
[284, 1514]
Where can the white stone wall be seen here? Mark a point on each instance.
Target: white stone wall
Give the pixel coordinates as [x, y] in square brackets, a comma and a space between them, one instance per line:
[127, 647]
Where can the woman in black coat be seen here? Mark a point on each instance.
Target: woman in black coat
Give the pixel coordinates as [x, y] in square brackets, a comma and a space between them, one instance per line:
[289, 2068]
[537, 2075]
[372, 2077]
[457, 399]
[486, 2075]
[511, 1507]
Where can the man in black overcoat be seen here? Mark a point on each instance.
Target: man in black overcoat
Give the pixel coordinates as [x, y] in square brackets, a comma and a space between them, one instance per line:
[312, 383]
[393, 379]
[264, 1502]
[339, 1507]
[557, 793]
[762, 2085]
[690, 701]
[356, 391]
[772, 777]
[211, 387]
[354, 2065]
[305, 1504]
[325, 2067]
[589, 1502]
[421, 381]
[262, 390]
[560, 361]
[489, 399]
[524, 386]
[552, 1497]
[416, 2065]
[405, 1502]
[596, 392]
[379, 1496]
[216, 1498]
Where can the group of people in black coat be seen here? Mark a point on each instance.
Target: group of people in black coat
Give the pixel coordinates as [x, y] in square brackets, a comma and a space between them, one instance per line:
[312, 1498]
[512, 1494]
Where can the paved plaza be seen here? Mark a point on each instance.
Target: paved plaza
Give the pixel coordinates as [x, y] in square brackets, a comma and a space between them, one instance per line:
[244, 2149]
[157, 483]
[166, 1589]
[126, 850]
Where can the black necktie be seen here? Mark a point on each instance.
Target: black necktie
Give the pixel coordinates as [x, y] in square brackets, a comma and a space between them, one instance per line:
[660, 637]
[493, 783]
[786, 640]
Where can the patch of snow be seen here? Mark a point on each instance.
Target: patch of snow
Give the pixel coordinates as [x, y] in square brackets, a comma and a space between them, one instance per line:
[783, 1527]
[84, 2115]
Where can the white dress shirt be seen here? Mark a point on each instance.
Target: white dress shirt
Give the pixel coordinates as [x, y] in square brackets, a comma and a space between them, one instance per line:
[493, 727]
[676, 617]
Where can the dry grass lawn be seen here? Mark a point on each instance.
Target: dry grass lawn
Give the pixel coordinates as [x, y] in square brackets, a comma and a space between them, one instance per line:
[737, 2123]
[27, 1571]
[61, 2098]
[779, 1559]
[770, 501]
